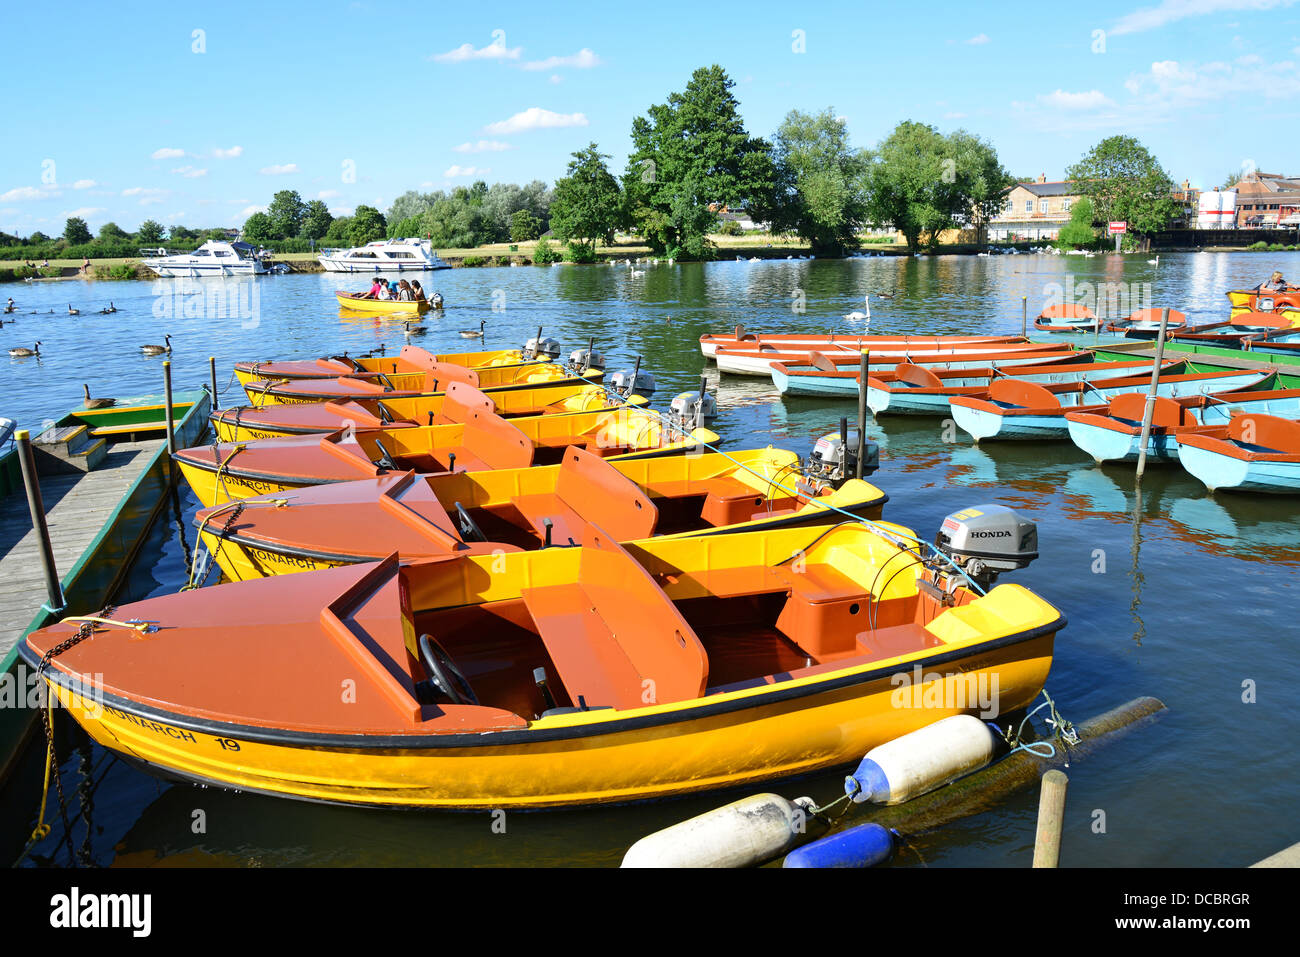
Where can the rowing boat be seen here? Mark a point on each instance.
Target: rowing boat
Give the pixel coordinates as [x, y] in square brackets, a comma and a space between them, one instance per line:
[1026, 410]
[914, 390]
[411, 359]
[272, 421]
[1114, 434]
[560, 677]
[1145, 323]
[1257, 453]
[1284, 304]
[803, 342]
[1066, 317]
[525, 375]
[357, 302]
[510, 509]
[759, 361]
[476, 440]
[1233, 333]
[821, 376]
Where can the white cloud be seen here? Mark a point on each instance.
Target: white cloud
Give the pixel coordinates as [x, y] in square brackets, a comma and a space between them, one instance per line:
[233, 153]
[22, 193]
[328, 194]
[536, 118]
[1061, 100]
[584, 59]
[556, 78]
[483, 146]
[279, 169]
[84, 184]
[1171, 11]
[337, 211]
[147, 195]
[954, 116]
[978, 40]
[85, 212]
[189, 172]
[456, 171]
[496, 50]
[167, 153]
[250, 210]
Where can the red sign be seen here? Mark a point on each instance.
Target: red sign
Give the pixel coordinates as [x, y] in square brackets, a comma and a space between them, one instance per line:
[1118, 228]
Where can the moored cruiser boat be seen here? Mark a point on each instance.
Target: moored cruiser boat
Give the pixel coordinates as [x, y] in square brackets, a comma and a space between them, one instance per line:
[383, 255]
[216, 257]
[475, 440]
[566, 676]
[539, 507]
[1025, 410]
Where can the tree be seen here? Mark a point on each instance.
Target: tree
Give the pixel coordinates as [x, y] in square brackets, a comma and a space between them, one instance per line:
[982, 180]
[524, 226]
[316, 220]
[1126, 183]
[259, 228]
[691, 156]
[1231, 181]
[287, 212]
[179, 233]
[76, 232]
[339, 231]
[37, 238]
[367, 225]
[1078, 231]
[149, 232]
[820, 182]
[587, 203]
[910, 182]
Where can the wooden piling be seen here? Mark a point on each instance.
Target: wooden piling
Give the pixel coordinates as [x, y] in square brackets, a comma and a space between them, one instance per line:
[1051, 816]
[167, 402]
[36, 505]
[212, 376]
[862, 410]
[1149, 410]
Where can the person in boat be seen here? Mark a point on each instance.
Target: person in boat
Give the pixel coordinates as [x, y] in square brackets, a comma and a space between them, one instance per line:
[416, 291]
[385, 294]
[404, 291]
[1275, 283]
[373, 291]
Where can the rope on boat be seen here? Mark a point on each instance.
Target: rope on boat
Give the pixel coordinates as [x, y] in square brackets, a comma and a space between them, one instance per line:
[1063, 731]
[219, 479]
[238, 507]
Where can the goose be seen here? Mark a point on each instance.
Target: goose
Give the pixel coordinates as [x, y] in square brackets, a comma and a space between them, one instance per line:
[97, 403]
[158, 350]
[413, 330]
[107, 310]
[73, 312]
[20, 351]
[474, 333]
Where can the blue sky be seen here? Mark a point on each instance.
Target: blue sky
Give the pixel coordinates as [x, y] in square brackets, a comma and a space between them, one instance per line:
[125, 114]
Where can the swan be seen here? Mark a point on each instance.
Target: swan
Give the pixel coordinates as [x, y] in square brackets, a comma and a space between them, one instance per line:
[474, 333]
[152, 350]
[20, 351]
[1154, 262]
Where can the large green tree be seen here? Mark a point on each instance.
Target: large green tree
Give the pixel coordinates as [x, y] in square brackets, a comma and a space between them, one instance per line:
[258, 228]
[980, 178]
[587, 205]
[1126, 183]
[111, 232]
[316, 220]
[367, 225]
[150, 232]
[691, 156]
[75, 231]
[287, 212]
[1079, 230]
[821, 182]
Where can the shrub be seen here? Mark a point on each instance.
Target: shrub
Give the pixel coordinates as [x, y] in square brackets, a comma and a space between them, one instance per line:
[580, 253]
[544, 253]
[730, 227]
[1260, 246]
[472, 261]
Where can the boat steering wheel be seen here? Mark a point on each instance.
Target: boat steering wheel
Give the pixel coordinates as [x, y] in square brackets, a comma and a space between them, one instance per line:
[439, 666]
[385, 460]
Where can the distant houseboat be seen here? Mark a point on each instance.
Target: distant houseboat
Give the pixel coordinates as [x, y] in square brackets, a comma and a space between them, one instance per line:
[385, 255]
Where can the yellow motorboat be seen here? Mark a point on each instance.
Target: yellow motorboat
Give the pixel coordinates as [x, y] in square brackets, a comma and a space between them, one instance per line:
[566, 676]
[411, 359]
[1284, 304]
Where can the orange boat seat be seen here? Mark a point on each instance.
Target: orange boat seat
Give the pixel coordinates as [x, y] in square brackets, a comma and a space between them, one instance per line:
[589, 490]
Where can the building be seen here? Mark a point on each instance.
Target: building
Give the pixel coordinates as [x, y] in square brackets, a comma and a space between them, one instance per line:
[1267, 201]
[1035, 210]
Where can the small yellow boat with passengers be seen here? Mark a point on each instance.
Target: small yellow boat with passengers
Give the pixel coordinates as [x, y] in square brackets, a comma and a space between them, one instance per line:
[566, 676]
[359, 302]
[511, 509]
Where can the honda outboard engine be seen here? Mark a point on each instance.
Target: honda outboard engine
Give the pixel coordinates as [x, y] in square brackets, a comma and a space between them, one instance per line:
[633, 380]
[986, 540]
[834, 460]
[693, 409]
[580, 360]
[539, 348]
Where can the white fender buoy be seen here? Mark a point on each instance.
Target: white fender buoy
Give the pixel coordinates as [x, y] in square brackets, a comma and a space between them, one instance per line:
[741, 834]
[923, 760]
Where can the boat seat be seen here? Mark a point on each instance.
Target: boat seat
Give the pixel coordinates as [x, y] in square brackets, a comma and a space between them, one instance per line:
[613, 635]
[825, 611]
[589, 490]
[462, 400]
[728, 501]
[489, 442]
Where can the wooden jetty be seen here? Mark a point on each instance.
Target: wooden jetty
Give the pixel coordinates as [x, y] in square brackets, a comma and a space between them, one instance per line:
[106, 474]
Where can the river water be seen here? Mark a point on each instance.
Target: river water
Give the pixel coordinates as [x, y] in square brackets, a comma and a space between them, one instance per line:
[1188, 598]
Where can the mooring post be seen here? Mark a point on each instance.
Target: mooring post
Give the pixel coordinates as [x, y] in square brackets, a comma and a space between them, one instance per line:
[1024, 317]
[212, 377]
[1149, 410]
[862, 410]
[167, 402]
[1051, 815]
[36, 504]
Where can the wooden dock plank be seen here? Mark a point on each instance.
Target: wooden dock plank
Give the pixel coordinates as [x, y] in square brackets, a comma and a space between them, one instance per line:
[76, 508]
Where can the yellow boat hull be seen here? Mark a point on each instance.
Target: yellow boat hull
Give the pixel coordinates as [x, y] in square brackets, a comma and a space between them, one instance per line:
[380, 307]
[1243, 302]
[515, 374]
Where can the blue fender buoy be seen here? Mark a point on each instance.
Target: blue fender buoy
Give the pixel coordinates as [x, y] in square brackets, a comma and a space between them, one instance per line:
[863, 846]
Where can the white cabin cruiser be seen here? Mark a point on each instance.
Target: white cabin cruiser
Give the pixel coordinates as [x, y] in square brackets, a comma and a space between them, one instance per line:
[216, 257]
[384, 255]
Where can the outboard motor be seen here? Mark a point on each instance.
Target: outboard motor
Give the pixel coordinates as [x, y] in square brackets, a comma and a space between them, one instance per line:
[693, 409]
[633, 380]
[580, 360]
[834, 460]
[987, 540]
[538, 348]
